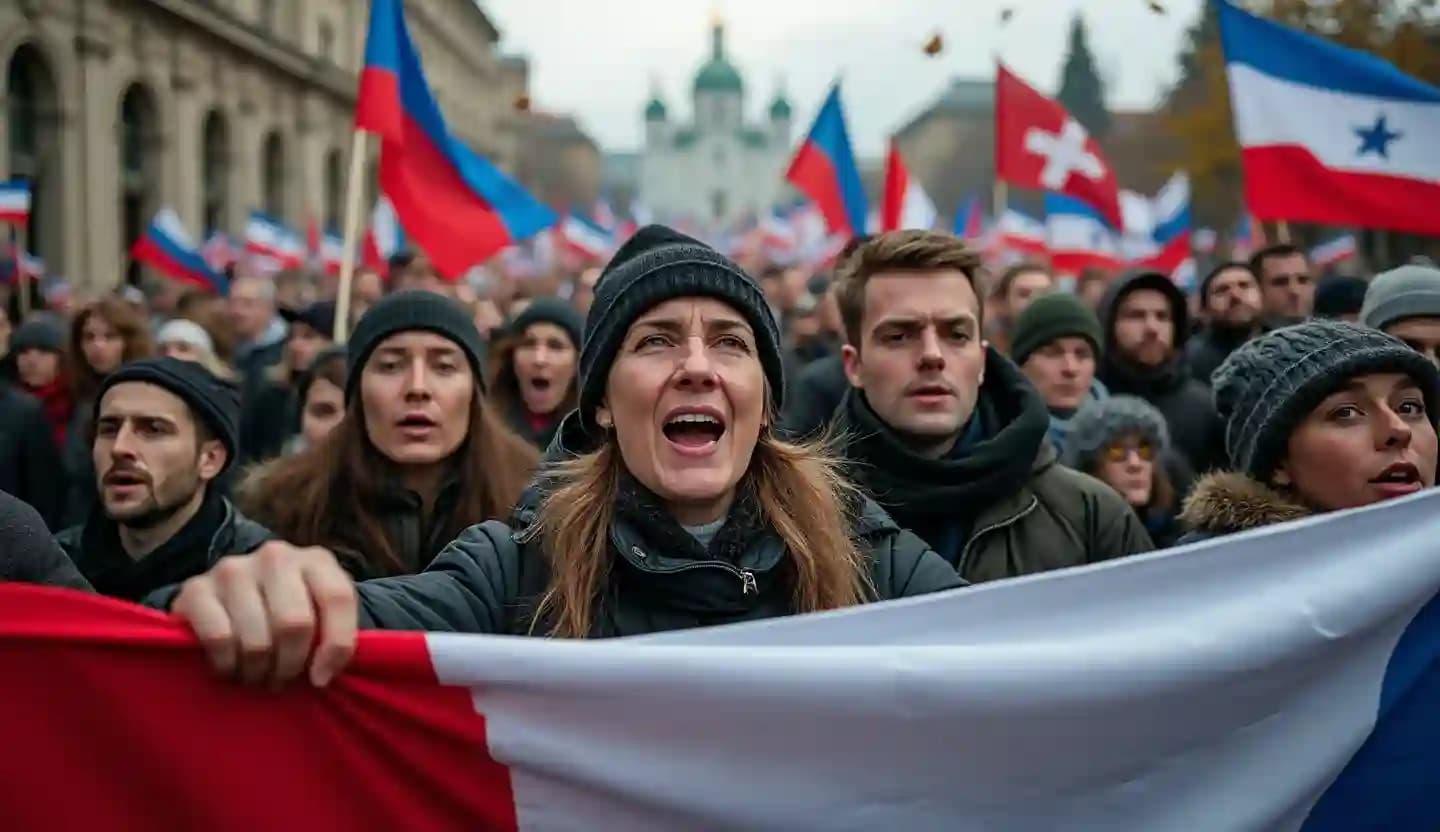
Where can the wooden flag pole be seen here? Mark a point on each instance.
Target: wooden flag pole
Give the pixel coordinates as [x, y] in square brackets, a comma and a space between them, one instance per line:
[1282, 232]
[1000, 196]
[352, 235]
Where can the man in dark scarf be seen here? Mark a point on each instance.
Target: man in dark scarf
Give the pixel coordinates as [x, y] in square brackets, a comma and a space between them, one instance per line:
[947, 434]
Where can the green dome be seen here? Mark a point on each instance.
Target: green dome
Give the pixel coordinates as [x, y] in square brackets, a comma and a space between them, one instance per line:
[655, 110]
[718, 74]
[779, 108]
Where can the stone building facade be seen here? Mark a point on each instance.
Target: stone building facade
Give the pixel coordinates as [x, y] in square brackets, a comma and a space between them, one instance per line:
[719, 168]
[115, 108]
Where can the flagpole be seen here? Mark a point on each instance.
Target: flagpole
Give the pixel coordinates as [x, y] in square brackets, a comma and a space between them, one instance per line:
[352, 235]
[1001, 197]
[1282, 232]
[22, 280]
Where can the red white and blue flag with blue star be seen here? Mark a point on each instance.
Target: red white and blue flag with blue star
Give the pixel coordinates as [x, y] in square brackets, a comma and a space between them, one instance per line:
[1329, 134]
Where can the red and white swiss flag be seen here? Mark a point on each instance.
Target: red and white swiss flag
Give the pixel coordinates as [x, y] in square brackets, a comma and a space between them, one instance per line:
[905, 203]
[1039, 145]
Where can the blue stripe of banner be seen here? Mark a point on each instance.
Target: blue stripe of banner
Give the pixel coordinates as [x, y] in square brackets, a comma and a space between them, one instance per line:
[830, 135]
[1393, 781]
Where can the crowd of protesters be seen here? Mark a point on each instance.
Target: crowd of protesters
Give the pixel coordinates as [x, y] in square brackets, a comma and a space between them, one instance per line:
[677, 439]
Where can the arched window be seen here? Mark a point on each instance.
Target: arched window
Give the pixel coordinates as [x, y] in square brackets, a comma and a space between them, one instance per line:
[334, 188]
[272, 162]
[215, 173]
[327, 42]
[32, 116]
[139, 166]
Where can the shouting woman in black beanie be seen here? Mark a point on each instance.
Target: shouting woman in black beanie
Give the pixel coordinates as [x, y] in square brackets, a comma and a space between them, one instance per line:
[534, 369]
[1319, 417]
[679, 508]
[418, 455]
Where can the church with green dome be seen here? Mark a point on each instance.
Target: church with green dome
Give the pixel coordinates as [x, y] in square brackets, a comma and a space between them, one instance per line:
[718, 168]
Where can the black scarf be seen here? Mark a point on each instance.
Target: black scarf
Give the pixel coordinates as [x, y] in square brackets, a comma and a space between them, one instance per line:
[939, 499]
[646, 515]
[113, 572]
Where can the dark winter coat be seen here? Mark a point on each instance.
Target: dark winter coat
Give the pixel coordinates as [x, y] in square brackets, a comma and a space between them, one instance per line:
[215, 531]
[270, 415]
[539, 434]
[28, 552]
[1209, 347]
[489, 579]
[813, 398]
[1229, 502]
[81, 492]
[1000, 505]
[1195, 428]
[30, 464]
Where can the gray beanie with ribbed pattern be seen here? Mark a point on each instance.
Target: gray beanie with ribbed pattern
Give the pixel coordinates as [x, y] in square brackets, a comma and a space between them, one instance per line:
[1267, 386]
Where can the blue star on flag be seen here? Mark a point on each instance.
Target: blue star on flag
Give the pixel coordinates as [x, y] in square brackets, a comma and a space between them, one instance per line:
[1376, 139]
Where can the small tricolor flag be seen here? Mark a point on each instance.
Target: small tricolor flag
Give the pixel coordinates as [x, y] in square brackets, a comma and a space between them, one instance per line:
[905, 204]
[166, 247]
[1334, 251]
[586, 237]
[15, 202]
[272, 244]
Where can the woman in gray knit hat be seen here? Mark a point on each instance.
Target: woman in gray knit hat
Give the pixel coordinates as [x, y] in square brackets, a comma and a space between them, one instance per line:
[1122, 441]
[1318, 417]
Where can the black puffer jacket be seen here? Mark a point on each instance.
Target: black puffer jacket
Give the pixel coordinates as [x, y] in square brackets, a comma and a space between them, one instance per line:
[30, 465]
[1189, 411]
[489, 579]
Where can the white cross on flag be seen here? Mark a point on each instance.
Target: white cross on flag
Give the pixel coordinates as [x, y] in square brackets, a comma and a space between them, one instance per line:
[1039, 145]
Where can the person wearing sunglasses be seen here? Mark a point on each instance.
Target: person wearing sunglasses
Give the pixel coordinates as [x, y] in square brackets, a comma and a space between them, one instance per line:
[1122, 441]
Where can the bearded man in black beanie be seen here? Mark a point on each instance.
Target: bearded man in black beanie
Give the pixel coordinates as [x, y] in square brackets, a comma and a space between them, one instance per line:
[165, 429]
[947, 434]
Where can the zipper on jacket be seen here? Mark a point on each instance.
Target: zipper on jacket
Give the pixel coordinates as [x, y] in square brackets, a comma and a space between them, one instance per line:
[748, 584]
[975, 537]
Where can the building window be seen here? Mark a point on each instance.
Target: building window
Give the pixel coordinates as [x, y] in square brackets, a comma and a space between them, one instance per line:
[717, 205]
[139, 157]
[334, 188]
[215, 173]
[327, 42]
[32, 115]
[273, 175]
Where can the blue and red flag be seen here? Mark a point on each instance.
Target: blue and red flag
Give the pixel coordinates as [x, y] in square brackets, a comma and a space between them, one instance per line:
[1329, 134]
[824, 169]
[459, 208]
[970, 219]
[15, 202]
[166, 248]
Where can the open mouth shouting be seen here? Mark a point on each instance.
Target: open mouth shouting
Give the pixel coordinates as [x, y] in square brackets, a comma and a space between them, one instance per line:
[1397, 480]
[125, 483]
[694, 431]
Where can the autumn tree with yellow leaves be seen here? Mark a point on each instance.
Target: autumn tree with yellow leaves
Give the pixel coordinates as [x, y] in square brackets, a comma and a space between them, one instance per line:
[1197, 109]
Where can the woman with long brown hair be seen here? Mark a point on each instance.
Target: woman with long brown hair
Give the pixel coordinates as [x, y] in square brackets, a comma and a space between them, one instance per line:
[104, 335]
[678, 506]
[534, 369]
[418, 456]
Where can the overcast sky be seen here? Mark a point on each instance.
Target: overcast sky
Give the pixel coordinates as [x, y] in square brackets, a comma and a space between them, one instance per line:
[597, 58]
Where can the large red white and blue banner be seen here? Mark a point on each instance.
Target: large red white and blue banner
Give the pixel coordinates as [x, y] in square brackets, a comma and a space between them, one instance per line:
[1284, 679]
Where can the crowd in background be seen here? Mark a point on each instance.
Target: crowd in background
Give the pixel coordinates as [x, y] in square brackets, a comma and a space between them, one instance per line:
[911, 410]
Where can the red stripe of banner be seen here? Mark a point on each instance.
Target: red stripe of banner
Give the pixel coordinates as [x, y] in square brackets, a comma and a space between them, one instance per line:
[110, 719]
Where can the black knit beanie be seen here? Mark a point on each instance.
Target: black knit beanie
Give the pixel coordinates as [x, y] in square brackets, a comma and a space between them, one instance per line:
[41, 331]
[1268, 386]
[412, 310]
[656, 265]
[549, 311]
[1051, 316]
[214, 401]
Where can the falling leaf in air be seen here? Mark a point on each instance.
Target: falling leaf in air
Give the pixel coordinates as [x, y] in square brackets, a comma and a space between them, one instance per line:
[935, 45]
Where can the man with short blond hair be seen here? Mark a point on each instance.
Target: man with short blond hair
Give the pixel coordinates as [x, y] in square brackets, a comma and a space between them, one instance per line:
[947, 434]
